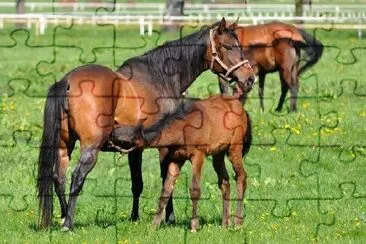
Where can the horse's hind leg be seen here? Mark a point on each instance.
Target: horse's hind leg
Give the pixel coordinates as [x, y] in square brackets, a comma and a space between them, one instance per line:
[284, 89]
[261, 90]
[60, 175]
[164, 165]
[86, 163]
[235, 157]
[294, 87]
[224, 185]
[173, 173]
[137, 185]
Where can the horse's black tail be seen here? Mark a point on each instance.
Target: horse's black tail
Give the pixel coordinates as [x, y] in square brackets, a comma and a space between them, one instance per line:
[313, 49]
[247, 142]
[48, 156]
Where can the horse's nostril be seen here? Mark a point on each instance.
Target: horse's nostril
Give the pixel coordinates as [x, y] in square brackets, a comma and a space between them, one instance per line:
[251, 80]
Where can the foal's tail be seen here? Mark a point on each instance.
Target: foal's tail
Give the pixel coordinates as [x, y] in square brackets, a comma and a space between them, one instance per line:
[48, 156]
[247, 142]
[313, 49]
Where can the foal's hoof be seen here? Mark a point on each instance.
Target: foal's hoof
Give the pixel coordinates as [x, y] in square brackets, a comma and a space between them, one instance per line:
[238, 221]
[156, 221]
[195, 225]
[225, 223]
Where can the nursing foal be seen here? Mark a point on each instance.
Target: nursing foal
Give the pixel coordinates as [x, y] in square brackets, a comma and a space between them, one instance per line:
[215, 126]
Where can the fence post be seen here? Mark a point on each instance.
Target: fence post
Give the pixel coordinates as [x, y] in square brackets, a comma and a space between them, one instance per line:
[142, 26]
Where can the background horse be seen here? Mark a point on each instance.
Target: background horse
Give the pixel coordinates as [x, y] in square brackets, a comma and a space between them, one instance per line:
[277, 47]
[192, 132]
[86, 104]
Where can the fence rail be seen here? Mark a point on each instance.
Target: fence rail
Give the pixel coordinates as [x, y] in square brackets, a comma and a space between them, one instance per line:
[335, 10]
[41, 21]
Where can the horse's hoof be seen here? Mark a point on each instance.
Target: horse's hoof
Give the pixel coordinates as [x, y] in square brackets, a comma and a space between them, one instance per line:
[65, 229]
[195, 224]
[134, 217]
[170, 220]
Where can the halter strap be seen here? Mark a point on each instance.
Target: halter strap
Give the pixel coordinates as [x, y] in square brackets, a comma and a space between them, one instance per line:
[215, 57]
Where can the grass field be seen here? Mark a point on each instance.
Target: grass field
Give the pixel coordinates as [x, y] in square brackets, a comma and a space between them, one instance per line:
[306, 170]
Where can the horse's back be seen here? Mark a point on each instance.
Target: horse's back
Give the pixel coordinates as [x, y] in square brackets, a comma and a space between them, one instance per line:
[265, 34]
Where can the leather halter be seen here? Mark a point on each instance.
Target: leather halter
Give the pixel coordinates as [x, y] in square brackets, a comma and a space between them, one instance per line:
[216, 57]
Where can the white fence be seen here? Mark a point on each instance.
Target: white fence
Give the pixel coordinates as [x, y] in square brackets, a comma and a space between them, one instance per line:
[41, 21]
[315, 10]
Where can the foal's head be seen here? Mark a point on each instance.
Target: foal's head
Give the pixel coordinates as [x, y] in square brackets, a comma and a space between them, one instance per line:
[129, 136]
[227, 58]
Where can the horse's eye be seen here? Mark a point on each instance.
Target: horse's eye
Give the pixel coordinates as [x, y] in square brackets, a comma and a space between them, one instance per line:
[227, 47]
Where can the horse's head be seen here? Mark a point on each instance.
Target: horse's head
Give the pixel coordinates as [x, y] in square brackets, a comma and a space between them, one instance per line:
[227, 57]
[127, 137]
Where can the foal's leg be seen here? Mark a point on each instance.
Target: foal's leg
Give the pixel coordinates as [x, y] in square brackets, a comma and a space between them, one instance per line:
[195, 189]
[86, 163]
[164, 164]
[65, 151]
[173, 173]
[235, 157]
[224, 185]
[137, 185]
[261, 90]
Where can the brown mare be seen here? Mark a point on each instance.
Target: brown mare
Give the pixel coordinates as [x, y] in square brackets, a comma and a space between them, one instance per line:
[277, 47]
[90, 100]
[214, 126]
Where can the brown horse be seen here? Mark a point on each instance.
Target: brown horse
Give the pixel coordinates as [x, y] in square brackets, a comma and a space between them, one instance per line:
[214, 126]
[90, 100]
[277, 47]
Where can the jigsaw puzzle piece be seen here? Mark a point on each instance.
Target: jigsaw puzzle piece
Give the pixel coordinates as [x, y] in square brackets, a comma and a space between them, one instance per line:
[349, 209]
[284, 176]
[347, 110]
[335, 165]
[20, 225]
[19, 123]
[300, 223]
[25, 69]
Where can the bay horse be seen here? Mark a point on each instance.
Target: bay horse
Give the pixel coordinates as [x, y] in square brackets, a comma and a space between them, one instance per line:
[276, 47]
[215, 126]
[89, 100]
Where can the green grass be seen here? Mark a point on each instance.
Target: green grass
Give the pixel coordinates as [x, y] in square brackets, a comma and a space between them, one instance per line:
[306, 169]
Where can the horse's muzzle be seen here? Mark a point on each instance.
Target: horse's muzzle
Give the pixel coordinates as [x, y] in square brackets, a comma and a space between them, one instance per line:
[247, 85]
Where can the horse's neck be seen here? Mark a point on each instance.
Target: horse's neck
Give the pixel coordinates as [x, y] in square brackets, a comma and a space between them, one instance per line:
[172, 68]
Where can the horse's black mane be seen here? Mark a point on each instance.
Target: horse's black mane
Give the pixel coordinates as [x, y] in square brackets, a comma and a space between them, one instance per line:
[167, 118]
[183, 58]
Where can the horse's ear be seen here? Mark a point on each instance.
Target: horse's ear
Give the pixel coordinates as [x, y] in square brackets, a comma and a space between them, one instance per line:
[222, 25]
[234, 25]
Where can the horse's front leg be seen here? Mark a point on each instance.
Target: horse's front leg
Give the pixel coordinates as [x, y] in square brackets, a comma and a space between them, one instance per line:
[86, 163]
[137, 185]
